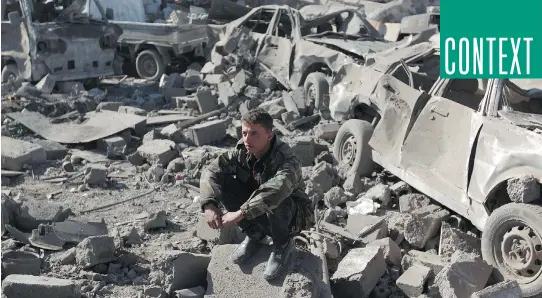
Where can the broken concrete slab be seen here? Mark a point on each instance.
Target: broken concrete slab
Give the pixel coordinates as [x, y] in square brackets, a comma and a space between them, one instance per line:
[467, 274]
[392, 251]
[53, 150]
[32, 213]
[208, 132]
[29, 286]
[431, 260]
[224, 277]
[230, 235]
[95, 250]
[452, 239]
[176, 270]
[158, 151]
[16, 153]
[206, 101]
[523, 189]
[359, 272]
[132, 110]
[413, 201]
[412, 281]
[97, 125]
[505, 289]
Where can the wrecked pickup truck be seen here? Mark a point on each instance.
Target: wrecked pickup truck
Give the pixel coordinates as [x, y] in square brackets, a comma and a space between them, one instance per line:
[297, 52]
[39, 39]
[472, 145]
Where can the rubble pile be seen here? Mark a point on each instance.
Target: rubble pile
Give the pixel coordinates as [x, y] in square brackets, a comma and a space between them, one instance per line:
[100, 189]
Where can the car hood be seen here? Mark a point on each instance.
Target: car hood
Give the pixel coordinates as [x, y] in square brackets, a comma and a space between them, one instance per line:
[359, 48]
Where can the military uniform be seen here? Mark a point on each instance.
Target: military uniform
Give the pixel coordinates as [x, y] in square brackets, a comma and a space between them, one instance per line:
[269, 191]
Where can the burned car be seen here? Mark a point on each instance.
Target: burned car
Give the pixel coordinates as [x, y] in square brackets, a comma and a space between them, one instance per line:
[40, 38]
[301, 53]
[473, 145]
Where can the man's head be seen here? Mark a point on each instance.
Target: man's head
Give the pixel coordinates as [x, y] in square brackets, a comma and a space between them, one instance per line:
[257, 128]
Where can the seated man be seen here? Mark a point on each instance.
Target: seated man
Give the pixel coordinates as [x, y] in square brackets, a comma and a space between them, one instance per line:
[259, 183]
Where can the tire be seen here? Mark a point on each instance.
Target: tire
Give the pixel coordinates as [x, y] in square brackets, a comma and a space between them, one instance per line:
[519, 221]
[316, 93]
[9, 70]
[355, 134]
[149, 65]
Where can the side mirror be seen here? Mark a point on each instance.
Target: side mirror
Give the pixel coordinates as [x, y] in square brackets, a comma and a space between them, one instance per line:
[14, 18]
[109, 13]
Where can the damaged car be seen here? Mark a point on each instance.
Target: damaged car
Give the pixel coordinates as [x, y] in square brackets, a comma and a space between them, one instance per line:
[472, 145]
[297, 52]
[41, 38]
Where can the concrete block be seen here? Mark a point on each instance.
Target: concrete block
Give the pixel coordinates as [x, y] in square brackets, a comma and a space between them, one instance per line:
[380, 193]
[188, 102]
[173, 133]
[231, 235]
[16, 153]
[303, 147]
[114, 146]
[95, 250]
[29, 286]
[206, 133]
[235, 130]
[359, 272]
[95, 174]
[302, 277]
[327, 131]
[215, 79]
[158, 151]
[109, 106]
[211, 68]
[523, 189]
[267, 81]
[226, 95]
[289, 117]
[412, 281]
[173, 80]
[427, 259]
[46, 84]
[390, 249]
[176, 270]
[268, 105]
[370, 226]
[298, 97]
[206, 101]
[53, 150]
[423, 224]
[468, 273]
[171, 93]
[452, 240]
[413, 201]
[240, 81]
[289, 103]
[505, 289]
[334, 197]
[276, 111]
[322, 175]
[32, 213]
[132, 110]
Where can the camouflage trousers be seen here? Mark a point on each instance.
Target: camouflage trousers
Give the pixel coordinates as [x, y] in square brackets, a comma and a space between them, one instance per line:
[279, 224]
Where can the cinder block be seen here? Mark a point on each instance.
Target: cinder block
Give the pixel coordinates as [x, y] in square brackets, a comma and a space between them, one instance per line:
[226, 94]
[53, 150]
[16, 153]
[29, 286]
[206, 133]
[206, 101]
[303, 147]
[412, 281]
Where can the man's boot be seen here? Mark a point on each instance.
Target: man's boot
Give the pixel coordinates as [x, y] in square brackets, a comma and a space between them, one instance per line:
[246, 249]
[278, 260]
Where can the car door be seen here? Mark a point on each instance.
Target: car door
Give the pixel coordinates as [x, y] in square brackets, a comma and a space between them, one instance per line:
[276, 48]
[438, 148]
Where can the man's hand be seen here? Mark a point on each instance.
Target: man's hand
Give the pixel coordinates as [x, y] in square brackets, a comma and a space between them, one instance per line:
[213, 216]
[231, 218]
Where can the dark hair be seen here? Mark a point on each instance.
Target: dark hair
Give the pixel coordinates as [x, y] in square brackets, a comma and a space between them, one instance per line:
[258, 116]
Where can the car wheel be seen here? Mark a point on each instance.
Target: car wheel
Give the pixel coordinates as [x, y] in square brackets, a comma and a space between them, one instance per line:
[351, 147]
[9, 73]
[149, 65]
[316, 93]
[512, 243]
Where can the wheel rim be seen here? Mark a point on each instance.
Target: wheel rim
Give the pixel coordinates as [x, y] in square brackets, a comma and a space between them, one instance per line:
[519, 252]
[149, 66]
[348, 150]
[310, 98]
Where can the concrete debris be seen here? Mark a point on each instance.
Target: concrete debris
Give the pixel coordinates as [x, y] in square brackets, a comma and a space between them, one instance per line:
[334, 197]
[412, 281]
[31, 213]
[411, 202]
[359, 272]
[95, 174]
[156, 221]
[95, 250]
[16, 285]
[158, 151]
[392, 252]
[230, 235]
[17, 153]
[367, 228]
[523, 189]
[53, 150]
[467, 274]
[452, 240]
[427, 259]
[209, 132]
[196, 292]
[509, 289]
[175, 270]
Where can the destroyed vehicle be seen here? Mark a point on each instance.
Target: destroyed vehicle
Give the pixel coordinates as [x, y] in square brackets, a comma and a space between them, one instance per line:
[472, 145]
[40, 38]
[300, 53]
[151, 47]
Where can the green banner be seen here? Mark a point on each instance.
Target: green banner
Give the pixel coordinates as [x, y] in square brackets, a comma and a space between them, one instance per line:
[491, 39]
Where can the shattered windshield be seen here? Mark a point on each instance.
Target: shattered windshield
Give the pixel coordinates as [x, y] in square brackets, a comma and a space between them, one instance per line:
[77, 12]
[518, 100]
[343, 25]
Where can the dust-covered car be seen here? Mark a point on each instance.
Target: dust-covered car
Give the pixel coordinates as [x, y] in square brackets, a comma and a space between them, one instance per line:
[298, 52]
[475, 146]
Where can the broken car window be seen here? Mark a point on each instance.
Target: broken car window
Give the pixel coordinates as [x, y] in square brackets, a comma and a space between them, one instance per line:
[259, 22]
[284, 26]
[516, 99]
[465, 92]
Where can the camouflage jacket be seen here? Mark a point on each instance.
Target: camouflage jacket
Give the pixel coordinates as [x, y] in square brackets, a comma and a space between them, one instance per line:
[280, 178]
